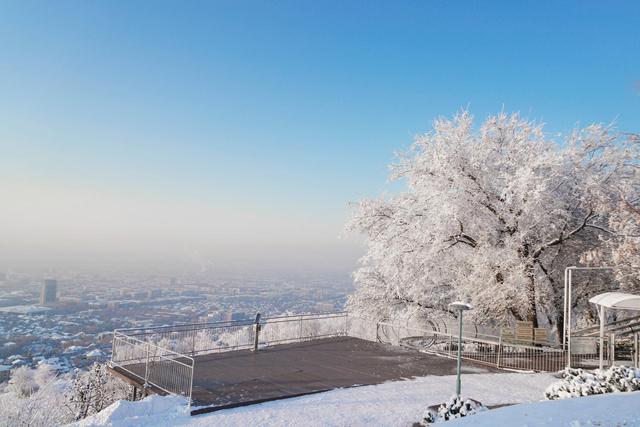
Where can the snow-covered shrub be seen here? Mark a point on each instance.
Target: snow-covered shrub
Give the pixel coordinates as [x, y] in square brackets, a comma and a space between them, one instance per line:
[40, 398]
[43, 406]
[455, 407]
[44, 374]
[25, 381]
[92, 391]
[22, 382]
[578, 382]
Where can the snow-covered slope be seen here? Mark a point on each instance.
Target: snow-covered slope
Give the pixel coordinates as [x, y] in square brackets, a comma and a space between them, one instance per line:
[391, 404]
[614, 409]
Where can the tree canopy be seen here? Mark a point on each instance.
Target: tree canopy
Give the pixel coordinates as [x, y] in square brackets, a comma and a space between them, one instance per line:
[494, 214]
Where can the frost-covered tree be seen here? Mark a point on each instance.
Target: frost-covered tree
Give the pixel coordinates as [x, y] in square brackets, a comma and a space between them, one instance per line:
[40, 398]
[493, 214]
[92, 391]
[22, 382]
[44, 407]
[625, 222]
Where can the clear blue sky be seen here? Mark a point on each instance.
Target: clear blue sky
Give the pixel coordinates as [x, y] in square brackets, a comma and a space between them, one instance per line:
[284, 111]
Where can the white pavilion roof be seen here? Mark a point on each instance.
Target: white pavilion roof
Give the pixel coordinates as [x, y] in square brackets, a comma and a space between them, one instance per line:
[617, 300]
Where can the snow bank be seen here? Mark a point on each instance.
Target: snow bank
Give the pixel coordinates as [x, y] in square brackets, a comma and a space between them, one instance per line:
[620, 409]
[399, 403]
[153, 410]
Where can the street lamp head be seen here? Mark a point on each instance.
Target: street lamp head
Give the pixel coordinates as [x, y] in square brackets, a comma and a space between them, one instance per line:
[460, 306]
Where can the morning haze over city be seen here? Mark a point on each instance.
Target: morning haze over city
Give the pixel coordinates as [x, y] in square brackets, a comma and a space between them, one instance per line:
[373, 213]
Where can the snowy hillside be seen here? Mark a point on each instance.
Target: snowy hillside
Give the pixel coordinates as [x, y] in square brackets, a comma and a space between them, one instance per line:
[392, 404]
[615, 409]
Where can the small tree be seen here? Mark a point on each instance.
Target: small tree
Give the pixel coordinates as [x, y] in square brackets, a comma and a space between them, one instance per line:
[22, 382]
[42, 406]
[92, 391]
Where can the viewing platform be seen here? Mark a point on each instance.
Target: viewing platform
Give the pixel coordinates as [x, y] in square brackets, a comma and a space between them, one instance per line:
[229, 364]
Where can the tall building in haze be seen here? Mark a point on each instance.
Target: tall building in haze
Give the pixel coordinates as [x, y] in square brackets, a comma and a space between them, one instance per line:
[49, 292]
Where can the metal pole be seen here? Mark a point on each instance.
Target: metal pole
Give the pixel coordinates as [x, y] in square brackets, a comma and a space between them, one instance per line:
[191, 384]
[193, 341]
[569, 295]
[564, 312]
[636, 356]
[300, 329]
[459, 353]
[257, 332]
[146, 368]
[613, 349]
[601, 336]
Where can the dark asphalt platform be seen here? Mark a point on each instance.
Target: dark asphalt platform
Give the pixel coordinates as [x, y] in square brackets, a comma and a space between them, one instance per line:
[303, 368]
[237, 378]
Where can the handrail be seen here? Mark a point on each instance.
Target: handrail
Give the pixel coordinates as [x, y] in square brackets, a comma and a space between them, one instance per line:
[160, 367]
[597, 328]
[143, 351]
[243, 322]
[157, 347]
[629, 322]
[470, 338]
[164, 356]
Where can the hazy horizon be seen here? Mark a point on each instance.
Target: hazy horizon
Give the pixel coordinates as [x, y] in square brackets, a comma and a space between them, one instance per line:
[232, 137]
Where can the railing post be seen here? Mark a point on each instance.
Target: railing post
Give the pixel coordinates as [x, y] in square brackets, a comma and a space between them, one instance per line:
[191, 383]
[113, 347]
[636, 356]
[300, 329]
[499, 351]
[146, 368]
[612, 352]
[256, 328]
[193, 341]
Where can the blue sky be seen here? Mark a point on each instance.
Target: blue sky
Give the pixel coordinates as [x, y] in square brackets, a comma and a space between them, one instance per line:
[281, 111]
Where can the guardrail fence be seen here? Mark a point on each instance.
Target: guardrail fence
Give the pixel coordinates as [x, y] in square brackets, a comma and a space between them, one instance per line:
[484, 349]
[154, 366]
[163, 357]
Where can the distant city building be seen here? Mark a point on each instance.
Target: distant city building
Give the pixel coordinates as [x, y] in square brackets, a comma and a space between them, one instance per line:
[49, 292]
[173, 282]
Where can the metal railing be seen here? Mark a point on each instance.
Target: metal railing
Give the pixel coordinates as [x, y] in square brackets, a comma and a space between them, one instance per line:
[163, 356]
[152, 365]
[484, 349]
[292, 329]
[216, 337]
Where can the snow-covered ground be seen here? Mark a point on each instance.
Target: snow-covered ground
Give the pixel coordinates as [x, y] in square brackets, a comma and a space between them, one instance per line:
[397, 403]
[613, 409]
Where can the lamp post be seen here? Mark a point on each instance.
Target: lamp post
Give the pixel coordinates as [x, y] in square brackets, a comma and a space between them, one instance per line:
[460, 307]
[568, 297]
